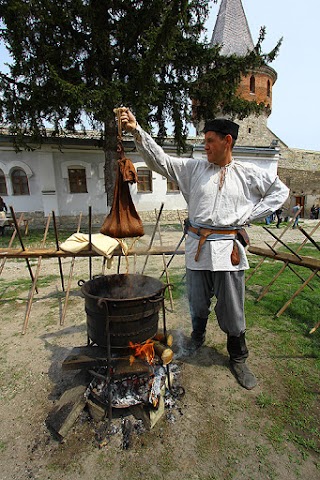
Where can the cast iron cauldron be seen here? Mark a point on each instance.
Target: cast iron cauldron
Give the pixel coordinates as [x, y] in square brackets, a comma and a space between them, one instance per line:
[128, 303]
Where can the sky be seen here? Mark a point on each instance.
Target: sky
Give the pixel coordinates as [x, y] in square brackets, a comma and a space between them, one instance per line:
[295, 103]
[295, 95]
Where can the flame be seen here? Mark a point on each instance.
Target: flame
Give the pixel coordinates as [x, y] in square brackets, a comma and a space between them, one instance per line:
[144, 351]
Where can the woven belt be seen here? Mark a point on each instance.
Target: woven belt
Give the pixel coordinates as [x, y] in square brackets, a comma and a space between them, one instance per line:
[204, 233]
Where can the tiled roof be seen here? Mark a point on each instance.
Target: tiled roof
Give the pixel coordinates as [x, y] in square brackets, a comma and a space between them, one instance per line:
[232, 30]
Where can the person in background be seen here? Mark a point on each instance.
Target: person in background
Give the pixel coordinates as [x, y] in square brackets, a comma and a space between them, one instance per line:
[3, 206]
[296, 216]
[268, 219]
[279, 218]
[222, 196]
[3, 211]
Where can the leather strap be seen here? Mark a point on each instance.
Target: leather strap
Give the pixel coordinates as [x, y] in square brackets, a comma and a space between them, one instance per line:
[204, 233]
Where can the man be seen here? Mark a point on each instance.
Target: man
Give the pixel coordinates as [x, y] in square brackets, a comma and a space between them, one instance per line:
[296, 215]
[279, 218]
[222, 195]
[3, 211]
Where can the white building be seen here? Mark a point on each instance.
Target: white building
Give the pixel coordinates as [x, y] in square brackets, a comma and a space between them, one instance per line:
[68, 177]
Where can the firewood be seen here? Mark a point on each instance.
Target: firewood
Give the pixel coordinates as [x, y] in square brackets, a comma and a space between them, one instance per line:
[165, 339]
[163, 352]
[68, 408]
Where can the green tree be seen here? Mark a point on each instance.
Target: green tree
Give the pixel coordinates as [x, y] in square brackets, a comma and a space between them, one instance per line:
[74, 61]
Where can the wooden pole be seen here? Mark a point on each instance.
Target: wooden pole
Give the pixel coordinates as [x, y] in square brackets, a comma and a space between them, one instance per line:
[282, 243]
[34, 284]
[174, 253]
[317, 325]
[309, 237]
[287, 264]
[274, 245]
[165, 268]
[57, 247]
[90, 242]
[21, 242]
[153, 235]
[70, 279]
[286, 305]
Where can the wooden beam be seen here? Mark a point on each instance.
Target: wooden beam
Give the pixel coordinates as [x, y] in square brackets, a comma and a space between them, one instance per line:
[308, 262]
[52, 253]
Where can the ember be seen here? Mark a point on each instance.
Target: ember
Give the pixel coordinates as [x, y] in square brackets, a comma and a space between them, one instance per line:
[127, 391]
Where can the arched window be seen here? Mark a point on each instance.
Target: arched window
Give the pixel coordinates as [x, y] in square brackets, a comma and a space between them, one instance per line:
[3, 184]
[77, 180]
[19, 180]
[252, 84]
[144, 180]
[268, 88]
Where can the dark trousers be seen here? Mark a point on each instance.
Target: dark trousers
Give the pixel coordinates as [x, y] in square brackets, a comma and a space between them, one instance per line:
[229, 290]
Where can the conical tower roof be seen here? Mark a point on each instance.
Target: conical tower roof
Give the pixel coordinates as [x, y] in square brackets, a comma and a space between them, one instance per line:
[232, 30]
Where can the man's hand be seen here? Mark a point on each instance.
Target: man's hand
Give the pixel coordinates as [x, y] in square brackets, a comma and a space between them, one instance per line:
[128, 120]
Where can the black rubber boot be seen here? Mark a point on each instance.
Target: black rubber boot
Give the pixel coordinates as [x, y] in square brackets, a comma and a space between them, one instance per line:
[238, 352]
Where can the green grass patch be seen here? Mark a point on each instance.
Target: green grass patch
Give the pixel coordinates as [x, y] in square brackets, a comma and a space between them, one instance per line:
[292, 400]
[12, 290]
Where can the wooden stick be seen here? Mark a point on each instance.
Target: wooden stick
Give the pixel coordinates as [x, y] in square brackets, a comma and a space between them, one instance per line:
[274, 244]
[282, 243]
[309, 237]
[90, 243]
[57, 246]
[267, 288]
[176, 251]
[286, 305]
[153, 235]
[69, 279]
[21, 242]
[34, 284]
[13, 236]
[165, 268]
[317, 325]
[104, 261]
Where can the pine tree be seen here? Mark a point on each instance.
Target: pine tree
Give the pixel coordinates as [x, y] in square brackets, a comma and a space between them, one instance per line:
[74, 61]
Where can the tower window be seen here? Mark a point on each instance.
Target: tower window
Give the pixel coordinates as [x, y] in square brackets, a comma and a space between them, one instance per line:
[252, 84]
[268, 88]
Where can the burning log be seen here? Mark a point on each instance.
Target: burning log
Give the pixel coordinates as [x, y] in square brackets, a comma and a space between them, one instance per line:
[163, 352]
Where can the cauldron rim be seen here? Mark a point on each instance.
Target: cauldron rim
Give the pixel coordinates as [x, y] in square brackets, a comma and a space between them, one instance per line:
[114, 299]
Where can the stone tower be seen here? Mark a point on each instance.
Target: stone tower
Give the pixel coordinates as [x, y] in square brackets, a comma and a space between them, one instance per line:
[232, 31]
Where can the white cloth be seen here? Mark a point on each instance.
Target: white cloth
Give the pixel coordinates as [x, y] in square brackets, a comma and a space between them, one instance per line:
[3, 219]
[248, 193]
[101, 244]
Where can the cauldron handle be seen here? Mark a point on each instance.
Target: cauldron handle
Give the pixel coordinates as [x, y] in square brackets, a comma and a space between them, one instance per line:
[158, 299]
[162, 296]
[102, 302]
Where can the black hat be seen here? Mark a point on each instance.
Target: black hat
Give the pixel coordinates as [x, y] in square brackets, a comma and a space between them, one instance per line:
[222, 125]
